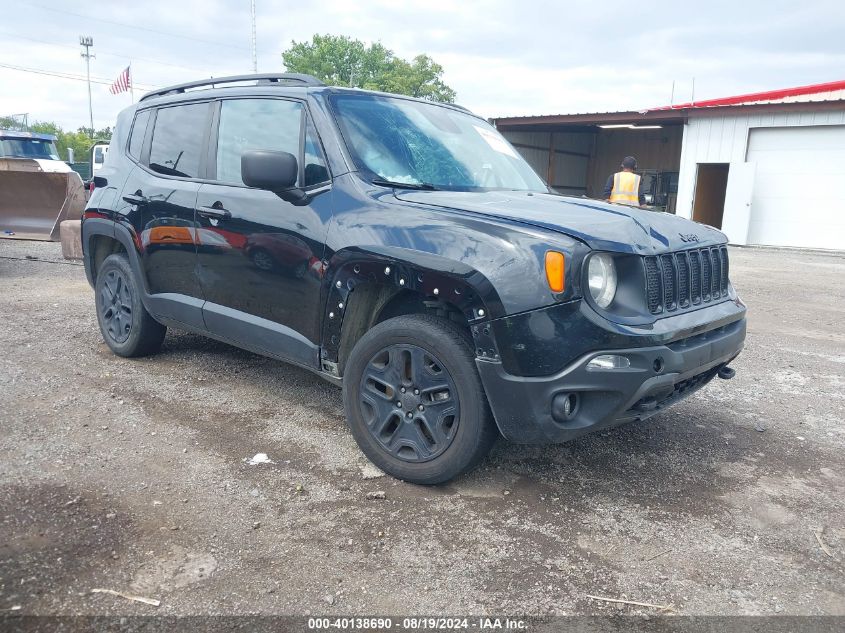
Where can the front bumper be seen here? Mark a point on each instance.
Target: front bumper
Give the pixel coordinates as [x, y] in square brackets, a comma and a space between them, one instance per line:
[658, 376]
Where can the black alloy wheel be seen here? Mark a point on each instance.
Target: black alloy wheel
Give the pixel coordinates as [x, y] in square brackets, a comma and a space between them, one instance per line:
[414, 400]
[127, 328]
[263, 260]
[116, 306]
[410, 403]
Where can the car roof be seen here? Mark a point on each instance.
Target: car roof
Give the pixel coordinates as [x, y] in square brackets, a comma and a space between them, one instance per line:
[35, 135]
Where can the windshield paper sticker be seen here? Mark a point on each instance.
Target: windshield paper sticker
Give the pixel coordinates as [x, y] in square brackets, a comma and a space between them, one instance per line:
[495, 141]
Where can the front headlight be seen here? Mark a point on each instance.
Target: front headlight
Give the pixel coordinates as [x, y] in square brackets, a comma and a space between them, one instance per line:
[601, 277]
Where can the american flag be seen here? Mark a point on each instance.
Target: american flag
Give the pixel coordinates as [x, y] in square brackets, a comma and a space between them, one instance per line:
[122, 83]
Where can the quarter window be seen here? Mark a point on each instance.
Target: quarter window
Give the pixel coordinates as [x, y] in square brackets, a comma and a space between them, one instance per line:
[139, 130]
[178, 140]
[315, 165]
[247, 124]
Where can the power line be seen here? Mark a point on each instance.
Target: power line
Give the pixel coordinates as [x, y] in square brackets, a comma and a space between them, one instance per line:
[61, 75]
[119, 55]
[217, 44]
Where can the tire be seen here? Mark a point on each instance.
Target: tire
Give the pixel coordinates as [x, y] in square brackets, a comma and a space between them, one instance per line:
[299, 270]
[262, 260]
[126, 326]
[427, 437]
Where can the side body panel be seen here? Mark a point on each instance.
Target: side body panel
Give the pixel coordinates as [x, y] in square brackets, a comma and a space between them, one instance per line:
[510, 256]
[164, 229]
[264, 264]
[484, 268]
[158, 212]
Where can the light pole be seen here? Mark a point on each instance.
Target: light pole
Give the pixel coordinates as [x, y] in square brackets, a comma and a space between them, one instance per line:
[254, 56]
[87, 41]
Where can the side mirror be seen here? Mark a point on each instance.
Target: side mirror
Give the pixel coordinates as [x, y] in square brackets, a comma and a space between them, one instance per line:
[269, 169]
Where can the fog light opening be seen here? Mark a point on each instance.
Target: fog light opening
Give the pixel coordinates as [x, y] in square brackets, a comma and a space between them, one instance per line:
[565, 406]
[659, 365]
[609, 361]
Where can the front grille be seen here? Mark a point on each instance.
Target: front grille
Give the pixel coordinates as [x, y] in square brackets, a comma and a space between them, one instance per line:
[652, 274]
[683, 280]
[687, 278]
[667, 265]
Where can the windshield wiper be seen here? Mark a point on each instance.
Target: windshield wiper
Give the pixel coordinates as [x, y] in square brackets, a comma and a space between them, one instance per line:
[426, 186]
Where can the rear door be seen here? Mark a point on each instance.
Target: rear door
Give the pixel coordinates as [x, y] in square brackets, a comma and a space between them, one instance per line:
[260, 255]
[159, 201]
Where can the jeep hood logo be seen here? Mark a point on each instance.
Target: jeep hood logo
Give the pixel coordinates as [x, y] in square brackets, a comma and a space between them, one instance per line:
[688, 237]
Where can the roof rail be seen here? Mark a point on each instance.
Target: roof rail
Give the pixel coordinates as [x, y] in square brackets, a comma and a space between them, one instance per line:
[283, 79]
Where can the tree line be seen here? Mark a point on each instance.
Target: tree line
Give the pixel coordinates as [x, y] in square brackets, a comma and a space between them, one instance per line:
[80, 140]
[337, 60]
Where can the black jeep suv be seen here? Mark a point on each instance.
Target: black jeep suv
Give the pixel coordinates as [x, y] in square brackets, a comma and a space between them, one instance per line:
[403, 250]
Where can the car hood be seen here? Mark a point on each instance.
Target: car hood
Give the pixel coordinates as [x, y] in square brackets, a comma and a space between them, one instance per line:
[600, 225]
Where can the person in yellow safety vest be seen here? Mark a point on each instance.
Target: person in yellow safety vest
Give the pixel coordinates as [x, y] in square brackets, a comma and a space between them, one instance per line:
[623, 187]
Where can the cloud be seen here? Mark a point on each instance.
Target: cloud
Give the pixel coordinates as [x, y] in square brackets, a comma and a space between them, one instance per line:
[502, 57]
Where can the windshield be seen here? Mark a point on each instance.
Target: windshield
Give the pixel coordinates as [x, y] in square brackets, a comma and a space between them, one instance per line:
[400, 141]
[28, 148]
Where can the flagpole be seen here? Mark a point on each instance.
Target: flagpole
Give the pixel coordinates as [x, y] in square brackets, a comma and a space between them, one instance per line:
[131, 83]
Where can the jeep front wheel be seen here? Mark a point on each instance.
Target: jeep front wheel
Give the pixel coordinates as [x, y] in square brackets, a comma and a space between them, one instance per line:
[414, 401]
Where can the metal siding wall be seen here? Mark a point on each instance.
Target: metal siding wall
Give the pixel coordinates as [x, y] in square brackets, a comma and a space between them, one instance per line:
[538, 159]
[724, 139]
[568, 169]
[572, 170]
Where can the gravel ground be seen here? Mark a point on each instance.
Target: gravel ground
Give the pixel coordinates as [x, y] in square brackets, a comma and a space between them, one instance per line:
[132, 475]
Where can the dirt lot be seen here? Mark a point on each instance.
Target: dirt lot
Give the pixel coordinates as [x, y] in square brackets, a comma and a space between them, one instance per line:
[132, 475]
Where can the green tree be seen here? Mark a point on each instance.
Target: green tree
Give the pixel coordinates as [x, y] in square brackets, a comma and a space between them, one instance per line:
[80, 141]
[418, 78]
[341, 61]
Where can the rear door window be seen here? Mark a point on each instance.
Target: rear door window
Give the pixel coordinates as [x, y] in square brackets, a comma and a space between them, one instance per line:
[178, 140]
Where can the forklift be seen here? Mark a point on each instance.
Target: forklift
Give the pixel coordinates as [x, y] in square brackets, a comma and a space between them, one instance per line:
[660, 189]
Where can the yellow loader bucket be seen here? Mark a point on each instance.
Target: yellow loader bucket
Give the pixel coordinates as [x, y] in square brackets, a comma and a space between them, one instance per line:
[34, 202]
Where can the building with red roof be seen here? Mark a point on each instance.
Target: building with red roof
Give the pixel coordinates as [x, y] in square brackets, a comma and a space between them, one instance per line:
[767, 168]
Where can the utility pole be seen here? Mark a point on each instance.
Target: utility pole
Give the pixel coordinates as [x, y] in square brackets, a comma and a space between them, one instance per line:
[254, 56]
[87, 41]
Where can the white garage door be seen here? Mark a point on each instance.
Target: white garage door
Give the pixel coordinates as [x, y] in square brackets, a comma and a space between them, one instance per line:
[799, 189]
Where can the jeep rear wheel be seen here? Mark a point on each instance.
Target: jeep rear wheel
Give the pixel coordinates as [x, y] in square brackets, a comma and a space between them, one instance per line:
[126, 326]
[263, 260]
[414, 401]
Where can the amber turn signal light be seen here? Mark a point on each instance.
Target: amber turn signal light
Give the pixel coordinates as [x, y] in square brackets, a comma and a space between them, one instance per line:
[554, 270]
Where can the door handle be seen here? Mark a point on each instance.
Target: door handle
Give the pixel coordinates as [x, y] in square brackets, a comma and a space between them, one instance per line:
[218, 213]
[136, 198]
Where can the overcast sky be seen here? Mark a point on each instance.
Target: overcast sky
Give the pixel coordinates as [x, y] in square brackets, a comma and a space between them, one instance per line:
[502, 57]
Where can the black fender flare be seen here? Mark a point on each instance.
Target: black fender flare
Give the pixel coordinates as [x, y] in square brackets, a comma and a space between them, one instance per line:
[94, 226]
[170, 309]
[431, 276]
